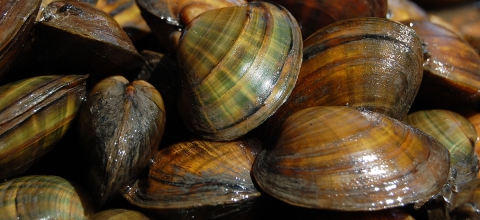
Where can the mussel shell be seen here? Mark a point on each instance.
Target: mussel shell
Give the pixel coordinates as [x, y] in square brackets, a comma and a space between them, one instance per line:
[456, 133]
[239, 65]
[372, 63]
[337, 157]
[79, 37]
[35, 113]
[451, 75]
[199, 178]
[43, 197]
[118, 214]
[401, 10]
[121, 126]
[16, 24]
[314, 15]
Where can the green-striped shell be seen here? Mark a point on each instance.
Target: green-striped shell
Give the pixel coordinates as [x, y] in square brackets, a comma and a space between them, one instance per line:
[456, 133]
[337, 157]
[43, 197]
[239, 65]
[34, 115]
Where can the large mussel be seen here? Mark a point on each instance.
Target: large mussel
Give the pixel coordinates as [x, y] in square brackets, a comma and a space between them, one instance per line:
[223, 97]
[337, 157]
[372, 63]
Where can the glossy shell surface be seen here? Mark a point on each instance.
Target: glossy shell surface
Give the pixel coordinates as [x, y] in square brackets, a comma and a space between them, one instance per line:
[336, 157]
[198, 174]
[223, 97]
[43, 197]
[35, 113]
[371, 63]
[121, 126]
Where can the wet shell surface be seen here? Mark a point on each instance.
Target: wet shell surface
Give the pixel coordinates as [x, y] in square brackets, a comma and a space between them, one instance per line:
[16, 22]
[121, 126]
[456, 133]
[199, 174]
[43, 197]
[35, 113]
[347, 159]
[451, 68]
[372, 63]
[223, 97]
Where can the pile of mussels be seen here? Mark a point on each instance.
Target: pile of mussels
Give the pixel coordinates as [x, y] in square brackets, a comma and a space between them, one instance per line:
[230, 109]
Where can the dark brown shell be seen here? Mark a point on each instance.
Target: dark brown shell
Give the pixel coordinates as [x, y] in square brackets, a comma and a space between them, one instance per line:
[337, 157]
[451, 68]
[199, 178]
[121, 126]
[78, 37]
[16, 22]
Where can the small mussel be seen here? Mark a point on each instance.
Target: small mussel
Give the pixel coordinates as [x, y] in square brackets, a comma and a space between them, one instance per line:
[456, 133]
[118, 214]
[121, 126]
[35, 113]
[451, 69]
[342, 158]
[199, 178]
[43, 197]
[16, 22]
[79, 37]
[239, 64]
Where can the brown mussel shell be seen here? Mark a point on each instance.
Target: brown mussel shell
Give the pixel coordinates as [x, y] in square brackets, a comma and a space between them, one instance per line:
[451, 69]
[456, 133]
[223, 97]
[35, 113]
[316, 14]
[371, 63]
[79, 37]
[199, 178]
[337, 157]
[16, 22]
[121, 126]
[43, 197]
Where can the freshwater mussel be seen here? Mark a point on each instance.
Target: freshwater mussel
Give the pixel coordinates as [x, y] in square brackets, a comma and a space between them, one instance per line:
[121, 125]
[35, 113]
[179, 178]
[222, 97]
[341, 158]
[16, 23]
[199, 179]
[43, 197]
[372, 63]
